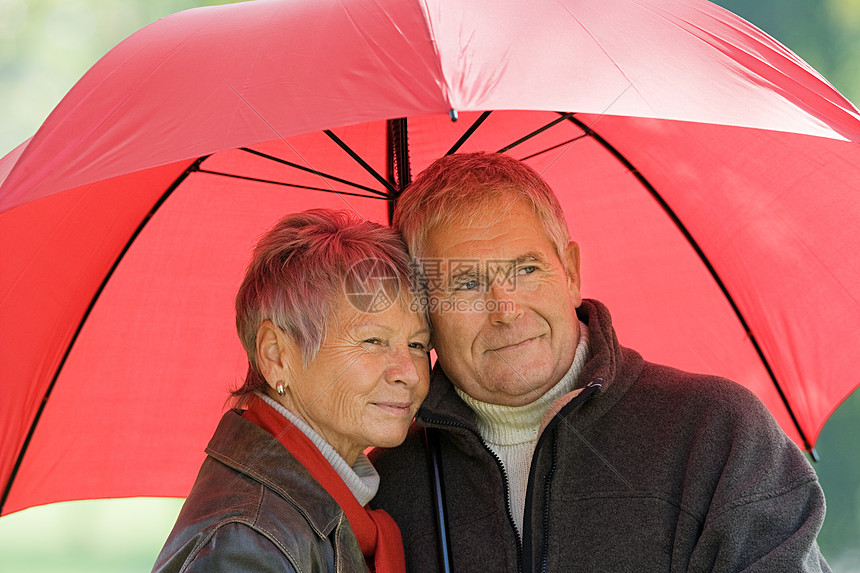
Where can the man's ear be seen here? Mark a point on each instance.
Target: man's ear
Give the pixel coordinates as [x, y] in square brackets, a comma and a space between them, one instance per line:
[571, 262]
[274, 354]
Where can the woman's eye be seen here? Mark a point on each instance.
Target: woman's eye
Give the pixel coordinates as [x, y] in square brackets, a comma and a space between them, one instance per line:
[526, 270]
[418, 346]
[373, 341]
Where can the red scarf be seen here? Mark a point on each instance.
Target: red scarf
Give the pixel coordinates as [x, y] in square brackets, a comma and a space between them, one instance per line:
[377, 534]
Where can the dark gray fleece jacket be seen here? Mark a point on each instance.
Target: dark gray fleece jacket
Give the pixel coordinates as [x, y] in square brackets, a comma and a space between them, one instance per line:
[649, 469]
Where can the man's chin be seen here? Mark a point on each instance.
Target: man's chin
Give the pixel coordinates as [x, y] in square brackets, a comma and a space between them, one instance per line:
[505, 384]
[518, 392]
[522, 382]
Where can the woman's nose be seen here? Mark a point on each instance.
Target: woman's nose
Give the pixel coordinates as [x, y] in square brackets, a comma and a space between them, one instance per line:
[403, 367]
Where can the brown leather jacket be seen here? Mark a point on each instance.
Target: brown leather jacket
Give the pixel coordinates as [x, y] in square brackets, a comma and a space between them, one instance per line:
[255, 508]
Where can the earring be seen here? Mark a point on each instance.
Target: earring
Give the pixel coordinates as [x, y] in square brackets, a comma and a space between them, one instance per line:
[280, 388]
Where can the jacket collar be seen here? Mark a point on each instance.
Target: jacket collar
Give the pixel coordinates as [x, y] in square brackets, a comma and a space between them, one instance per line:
[242, 445]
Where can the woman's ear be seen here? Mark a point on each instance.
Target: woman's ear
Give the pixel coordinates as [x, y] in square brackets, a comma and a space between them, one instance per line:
[274, 350]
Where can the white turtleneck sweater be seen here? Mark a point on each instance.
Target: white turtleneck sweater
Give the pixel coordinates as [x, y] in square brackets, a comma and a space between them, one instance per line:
[511, 432]
[361, 477]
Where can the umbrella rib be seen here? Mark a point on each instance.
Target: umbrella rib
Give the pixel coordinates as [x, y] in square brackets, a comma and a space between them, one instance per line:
[391, 190]
[192, 168]
[377, 194]
[692, 242]
[564, 116]
[556, 146]
[313, 171]
[477, 123]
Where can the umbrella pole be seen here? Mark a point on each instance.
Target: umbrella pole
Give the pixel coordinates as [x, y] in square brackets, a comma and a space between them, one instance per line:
[399, 172]
[434, 461]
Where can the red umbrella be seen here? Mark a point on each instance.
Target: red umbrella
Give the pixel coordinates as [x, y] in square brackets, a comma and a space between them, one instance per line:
[707, 172]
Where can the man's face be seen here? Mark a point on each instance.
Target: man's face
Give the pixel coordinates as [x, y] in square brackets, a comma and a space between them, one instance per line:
[503, 305]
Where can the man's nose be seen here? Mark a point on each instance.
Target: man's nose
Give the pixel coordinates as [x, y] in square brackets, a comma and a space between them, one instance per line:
[502, 304]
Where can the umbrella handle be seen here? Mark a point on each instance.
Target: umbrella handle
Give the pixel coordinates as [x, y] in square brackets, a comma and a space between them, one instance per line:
[434, 462]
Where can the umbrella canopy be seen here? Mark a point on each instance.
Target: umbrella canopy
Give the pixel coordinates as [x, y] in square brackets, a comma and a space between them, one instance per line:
[707, 172]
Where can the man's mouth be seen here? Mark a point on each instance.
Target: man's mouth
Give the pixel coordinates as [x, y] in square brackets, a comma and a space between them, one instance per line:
[514, 345]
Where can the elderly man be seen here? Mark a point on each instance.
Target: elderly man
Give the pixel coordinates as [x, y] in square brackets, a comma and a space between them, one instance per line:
[560, 449]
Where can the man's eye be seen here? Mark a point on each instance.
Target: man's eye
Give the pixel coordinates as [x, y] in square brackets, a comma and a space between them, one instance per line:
[471, 284]
[526, 270]
[373, 341]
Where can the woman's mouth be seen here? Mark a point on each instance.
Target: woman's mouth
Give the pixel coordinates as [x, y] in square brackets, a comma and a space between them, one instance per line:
[396, 408]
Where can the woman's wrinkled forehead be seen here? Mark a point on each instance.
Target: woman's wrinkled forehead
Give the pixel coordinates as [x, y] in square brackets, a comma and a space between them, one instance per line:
[407, 311]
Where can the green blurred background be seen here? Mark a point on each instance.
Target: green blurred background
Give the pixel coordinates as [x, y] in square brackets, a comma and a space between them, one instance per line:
[46, 45]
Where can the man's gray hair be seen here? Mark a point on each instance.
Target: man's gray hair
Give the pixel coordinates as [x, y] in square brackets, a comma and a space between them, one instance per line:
[455, 187]
[303, 267]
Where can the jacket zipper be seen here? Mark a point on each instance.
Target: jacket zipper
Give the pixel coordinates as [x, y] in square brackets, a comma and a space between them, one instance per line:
[504, 481]
[586, 393]
[575, 403]
[546, 500]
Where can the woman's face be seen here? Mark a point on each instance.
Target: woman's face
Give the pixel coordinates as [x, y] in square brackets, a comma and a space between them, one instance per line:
[369, 378]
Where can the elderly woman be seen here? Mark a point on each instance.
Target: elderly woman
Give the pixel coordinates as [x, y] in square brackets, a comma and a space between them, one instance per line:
[337, 363]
